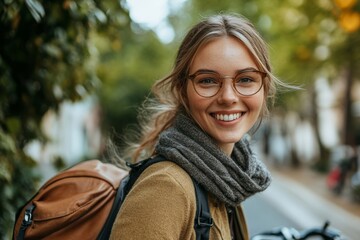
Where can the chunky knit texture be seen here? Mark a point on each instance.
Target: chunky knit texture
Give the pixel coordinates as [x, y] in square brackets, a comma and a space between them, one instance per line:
[230, 179]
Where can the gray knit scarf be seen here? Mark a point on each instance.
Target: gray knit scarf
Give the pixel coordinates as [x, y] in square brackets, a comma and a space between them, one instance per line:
[230, 179]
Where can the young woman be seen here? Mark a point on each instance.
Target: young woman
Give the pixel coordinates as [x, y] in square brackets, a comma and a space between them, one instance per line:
[217, 91]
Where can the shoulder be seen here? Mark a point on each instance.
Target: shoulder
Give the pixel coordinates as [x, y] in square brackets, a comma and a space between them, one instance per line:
[168, 182]
[167, 172]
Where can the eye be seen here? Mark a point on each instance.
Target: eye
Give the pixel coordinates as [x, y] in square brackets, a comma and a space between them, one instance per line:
[244, 80]
[206, 79]
[247, 78]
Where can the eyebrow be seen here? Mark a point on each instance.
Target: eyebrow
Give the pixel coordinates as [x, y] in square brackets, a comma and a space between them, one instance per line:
[204, 70]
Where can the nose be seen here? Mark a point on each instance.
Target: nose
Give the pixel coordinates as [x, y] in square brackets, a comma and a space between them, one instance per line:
[227, 94]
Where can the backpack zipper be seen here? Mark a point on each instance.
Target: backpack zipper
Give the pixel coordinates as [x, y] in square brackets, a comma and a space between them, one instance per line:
[27, 221]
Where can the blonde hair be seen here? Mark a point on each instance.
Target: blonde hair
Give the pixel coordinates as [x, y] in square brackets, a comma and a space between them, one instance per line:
[157, 114]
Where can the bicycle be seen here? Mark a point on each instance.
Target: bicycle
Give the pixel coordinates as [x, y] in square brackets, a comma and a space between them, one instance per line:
[284, 233]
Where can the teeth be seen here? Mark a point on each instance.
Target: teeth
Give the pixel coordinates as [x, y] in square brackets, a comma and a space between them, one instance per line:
[227, 117]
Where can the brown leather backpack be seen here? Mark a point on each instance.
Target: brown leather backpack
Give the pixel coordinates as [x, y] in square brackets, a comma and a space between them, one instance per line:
[75, 204]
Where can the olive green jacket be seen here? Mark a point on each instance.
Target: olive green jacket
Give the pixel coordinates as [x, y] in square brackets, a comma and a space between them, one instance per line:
[162, 205]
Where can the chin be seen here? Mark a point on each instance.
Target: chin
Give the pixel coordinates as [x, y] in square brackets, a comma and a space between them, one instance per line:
[232, 140]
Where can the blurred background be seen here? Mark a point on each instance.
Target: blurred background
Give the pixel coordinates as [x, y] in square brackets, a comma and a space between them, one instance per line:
[73, 73]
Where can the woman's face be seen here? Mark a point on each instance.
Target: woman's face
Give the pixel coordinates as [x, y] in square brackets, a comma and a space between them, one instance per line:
[227, 116]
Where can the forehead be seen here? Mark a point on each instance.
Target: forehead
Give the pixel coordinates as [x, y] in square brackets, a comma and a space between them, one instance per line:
[224, 54]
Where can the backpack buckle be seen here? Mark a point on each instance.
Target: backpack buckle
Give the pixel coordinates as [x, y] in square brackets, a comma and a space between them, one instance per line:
[205, 221]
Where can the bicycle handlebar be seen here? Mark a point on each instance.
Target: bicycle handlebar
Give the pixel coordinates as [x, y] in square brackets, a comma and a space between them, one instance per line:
[285, 233]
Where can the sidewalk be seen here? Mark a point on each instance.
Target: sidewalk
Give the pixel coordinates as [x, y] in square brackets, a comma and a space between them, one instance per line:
[302, 194]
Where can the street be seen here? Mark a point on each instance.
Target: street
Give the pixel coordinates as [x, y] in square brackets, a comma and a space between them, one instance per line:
[287, 204]
[262, 216]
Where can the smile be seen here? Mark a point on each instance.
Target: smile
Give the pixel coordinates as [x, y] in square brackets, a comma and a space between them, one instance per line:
[228, 117]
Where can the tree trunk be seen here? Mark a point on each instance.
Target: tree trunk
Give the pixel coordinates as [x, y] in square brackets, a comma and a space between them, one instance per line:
[322, 164]
[348, 136]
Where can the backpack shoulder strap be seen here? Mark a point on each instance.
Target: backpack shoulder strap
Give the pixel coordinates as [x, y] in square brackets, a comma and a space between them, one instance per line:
[137, 169]
[203, 219]
[106, 229]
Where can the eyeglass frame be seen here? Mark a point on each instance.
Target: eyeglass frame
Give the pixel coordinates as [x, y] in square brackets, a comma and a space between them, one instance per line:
[198, 72]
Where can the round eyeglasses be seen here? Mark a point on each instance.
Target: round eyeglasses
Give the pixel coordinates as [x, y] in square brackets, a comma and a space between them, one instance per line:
[246, 82]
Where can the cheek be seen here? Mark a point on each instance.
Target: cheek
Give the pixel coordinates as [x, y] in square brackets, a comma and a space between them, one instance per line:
[196, 105]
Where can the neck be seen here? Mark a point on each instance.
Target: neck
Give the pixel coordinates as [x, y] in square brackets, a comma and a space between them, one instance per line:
[226, 147]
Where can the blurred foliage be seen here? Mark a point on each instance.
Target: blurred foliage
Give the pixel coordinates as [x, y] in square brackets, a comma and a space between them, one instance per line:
[46, 57]
[128, 70]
